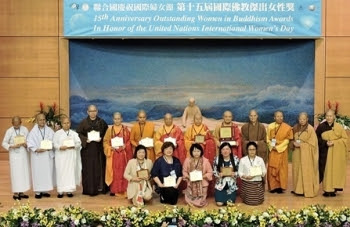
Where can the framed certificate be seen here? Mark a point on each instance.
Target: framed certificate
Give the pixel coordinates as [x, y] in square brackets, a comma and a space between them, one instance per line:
[143, 173]
[94, 135]
[170, 139]
[196, 175]
[46, 144]
[226, 171]
[255, 171]
[169, 181]
[19, 140]
[198, 138]
[147, 142]
[117, 142]
[226, 133]
[68, 143]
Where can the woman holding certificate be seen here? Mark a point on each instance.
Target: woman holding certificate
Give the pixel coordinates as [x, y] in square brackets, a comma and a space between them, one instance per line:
[252, 170]
[167, 174]
[197, 171]
[137, 173]
[118, 151]
[225, 172]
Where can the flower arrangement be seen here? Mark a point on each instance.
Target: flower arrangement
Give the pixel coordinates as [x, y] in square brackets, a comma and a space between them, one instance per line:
[313, 215]
[341, 119]
[51, 112]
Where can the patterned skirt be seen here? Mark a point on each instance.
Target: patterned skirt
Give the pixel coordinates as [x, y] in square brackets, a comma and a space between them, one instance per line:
[252, 192]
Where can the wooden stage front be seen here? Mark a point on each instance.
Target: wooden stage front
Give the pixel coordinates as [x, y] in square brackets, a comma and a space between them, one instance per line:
[98, 203]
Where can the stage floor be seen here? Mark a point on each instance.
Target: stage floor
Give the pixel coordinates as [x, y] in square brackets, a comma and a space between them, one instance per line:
[98, 203]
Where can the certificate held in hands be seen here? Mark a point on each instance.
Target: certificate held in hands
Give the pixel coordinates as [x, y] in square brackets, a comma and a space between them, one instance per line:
[117, 142]
[46, 145]
[169, 181]
[19, 140]
[225, 133]
[68, 143]
[255, 171]
[196, 175]
[147, 142]
[94, 135]
[199, 139]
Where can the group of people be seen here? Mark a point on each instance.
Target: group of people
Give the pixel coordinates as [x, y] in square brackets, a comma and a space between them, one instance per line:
[198, 163]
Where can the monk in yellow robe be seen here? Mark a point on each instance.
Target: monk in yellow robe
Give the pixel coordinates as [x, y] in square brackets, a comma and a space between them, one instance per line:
[305, 159]
[142, 130]
[234, 138]
[170, 132]
[278, 136]
[199, 133]
[332, 142]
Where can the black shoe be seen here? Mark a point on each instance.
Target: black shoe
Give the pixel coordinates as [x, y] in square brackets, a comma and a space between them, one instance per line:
[338, 189]
[112, 194]
[16, 197]
[60, 196]
[38, 196]
[45, 194]
[273, 191]
[279, 190]
[70, 195]
[329, 194]
[23, 196]
[332, 194]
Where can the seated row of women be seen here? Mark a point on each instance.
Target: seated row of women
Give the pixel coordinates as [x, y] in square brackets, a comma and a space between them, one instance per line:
[195, 176]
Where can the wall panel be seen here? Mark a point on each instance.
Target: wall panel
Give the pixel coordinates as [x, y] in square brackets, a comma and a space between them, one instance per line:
[338, 56]
[23, 95]
[29, 18]
[337, 17]
[337, 89]
[29, 57]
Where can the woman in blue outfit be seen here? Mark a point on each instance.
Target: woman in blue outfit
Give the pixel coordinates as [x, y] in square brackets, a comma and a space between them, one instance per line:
[167, 174]
[225, 171]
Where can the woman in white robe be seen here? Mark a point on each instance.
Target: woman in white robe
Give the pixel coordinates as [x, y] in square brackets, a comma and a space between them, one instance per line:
[67, 147]
[42, 160]
[15, 143]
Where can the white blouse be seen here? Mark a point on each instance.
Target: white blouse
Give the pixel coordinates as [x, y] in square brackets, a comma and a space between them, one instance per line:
[246, 163]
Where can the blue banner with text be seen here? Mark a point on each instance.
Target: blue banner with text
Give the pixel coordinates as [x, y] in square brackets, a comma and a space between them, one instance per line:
[192, 18]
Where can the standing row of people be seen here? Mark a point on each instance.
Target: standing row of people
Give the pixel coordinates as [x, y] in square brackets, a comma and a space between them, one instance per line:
[105, 153]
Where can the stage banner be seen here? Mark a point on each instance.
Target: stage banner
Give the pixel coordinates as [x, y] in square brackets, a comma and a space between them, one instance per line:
[192, 18]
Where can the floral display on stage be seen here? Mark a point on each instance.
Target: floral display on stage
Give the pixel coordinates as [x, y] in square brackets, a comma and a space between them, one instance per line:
[344, 120]
[52, 115]
[313, 215]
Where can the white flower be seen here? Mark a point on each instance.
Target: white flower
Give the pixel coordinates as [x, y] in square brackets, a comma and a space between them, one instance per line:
[222, 211]
[266, 215]
[54, 213]
[109, 217]
[76, 222]
[175, 210]
[123, 212]
[133, 209]
[83, 220]
[234, 222]
[305, 212]
[348, 219]
[315, 214]
[217, 221]
[25, 218]
[146, 211]
[208, 220]
[342, 218]
[279, 211]
[103, 218]
[252, 218]
[65, 218]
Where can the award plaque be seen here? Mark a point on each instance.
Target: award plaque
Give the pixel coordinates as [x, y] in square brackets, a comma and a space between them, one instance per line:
[68, 143]
[94, 135]
[143, 173]
[226, 171]
[169, 181]
[46, 145]
[226, 133]
[199, 139]
[196, 175]
[19, 140]
[255, 171]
